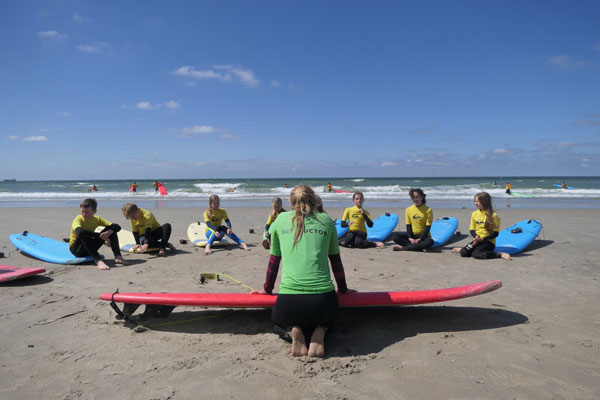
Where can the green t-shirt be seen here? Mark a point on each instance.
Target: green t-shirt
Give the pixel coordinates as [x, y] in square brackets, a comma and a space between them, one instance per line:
[305, 266]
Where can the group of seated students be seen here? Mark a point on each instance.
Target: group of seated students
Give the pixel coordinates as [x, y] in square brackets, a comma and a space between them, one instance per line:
[303, 241]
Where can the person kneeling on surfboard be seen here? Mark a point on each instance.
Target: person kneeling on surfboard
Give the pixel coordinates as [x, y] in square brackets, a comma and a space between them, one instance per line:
[84, 241]
[215, 231]
[307, 302]
[146, 230]
[485, 226]
[419, 218]
[277, 209]
[356, 217]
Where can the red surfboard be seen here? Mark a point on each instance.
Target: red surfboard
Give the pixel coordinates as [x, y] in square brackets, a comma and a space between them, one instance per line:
[8, 273]
[249, 300]
[342, 191]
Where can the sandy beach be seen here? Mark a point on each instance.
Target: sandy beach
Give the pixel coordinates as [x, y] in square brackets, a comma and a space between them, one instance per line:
[537, 337]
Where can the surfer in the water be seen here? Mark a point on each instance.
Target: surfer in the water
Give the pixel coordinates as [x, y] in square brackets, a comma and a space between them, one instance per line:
[419, 218]
[277, 209]
[146, 230]
[213, 217]
[508, 188]
[485, 226]
[133, 187]
[84, 241]
[356, 218]
[307, 303]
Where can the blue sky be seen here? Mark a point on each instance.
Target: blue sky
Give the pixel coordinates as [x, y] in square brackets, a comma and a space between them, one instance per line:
[219, 89]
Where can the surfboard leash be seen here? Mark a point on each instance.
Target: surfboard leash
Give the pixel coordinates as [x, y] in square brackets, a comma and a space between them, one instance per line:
[214, 276]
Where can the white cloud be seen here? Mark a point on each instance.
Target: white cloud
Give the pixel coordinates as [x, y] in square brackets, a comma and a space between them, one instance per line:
[63, 114]
[499, 151]
[388, 164]
[172, 104]
[52, 35]
[227, 136]
[223, 73]
[198, 130]
[565, 62]
[35, 139]
[13, 138]
[275, 83]
[144, 105]
[96, 48]
[78, 17]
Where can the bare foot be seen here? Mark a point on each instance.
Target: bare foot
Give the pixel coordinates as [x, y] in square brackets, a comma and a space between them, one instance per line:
[244, 246]
[120, 260]
[397, 248]
[102, 265]
[317, 343]
[380, 245]
[207, 250]
[456, 250]
[161, 253]
[505, 256]
[298, 342]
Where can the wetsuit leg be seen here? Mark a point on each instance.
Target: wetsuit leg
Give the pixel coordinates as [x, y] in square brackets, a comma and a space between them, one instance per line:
[87, 244]
[401, 238]
[160, 236]
[236, 239]
[361, 242]
[347, 240]
[466, 251]
[212, 237]
[484, 250]
[420, 246]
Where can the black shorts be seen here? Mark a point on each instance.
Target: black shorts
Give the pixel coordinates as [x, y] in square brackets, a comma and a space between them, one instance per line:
[306, 310]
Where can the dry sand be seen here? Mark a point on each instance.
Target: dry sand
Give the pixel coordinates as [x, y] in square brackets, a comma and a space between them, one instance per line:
[538, 337]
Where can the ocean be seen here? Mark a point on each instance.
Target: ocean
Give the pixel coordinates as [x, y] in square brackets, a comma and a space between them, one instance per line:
[529, 192]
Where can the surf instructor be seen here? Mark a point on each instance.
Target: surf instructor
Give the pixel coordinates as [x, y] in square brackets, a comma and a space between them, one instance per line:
[307, 302]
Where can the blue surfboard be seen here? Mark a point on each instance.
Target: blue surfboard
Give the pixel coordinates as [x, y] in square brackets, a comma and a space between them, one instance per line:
[516, 238]
[46, 249]
[442, 230]
[382, 227]
[560, 186]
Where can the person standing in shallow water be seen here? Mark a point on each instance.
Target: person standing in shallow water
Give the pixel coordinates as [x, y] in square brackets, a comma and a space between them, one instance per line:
[307, 302]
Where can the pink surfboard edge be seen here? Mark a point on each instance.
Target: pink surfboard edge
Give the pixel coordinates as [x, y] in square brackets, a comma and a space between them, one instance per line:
[359, 299]
[9, 273]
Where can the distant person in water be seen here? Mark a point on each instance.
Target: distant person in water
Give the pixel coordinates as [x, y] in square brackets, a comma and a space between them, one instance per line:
[419, 218]
[329, 187]
[94, 188]
[85, 241]
[357, 219]
[485, 226]
[508, 188]
[133, 187]
[213, 218]
[156, 185]
[564, 185]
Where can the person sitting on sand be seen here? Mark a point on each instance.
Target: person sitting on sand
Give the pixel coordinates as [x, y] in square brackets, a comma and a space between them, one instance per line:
[277, 209]
[485, 226]
[356, 218]
[146, 230]
[307, 302]
[419, 218]
[213, 217]
[85, 241]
